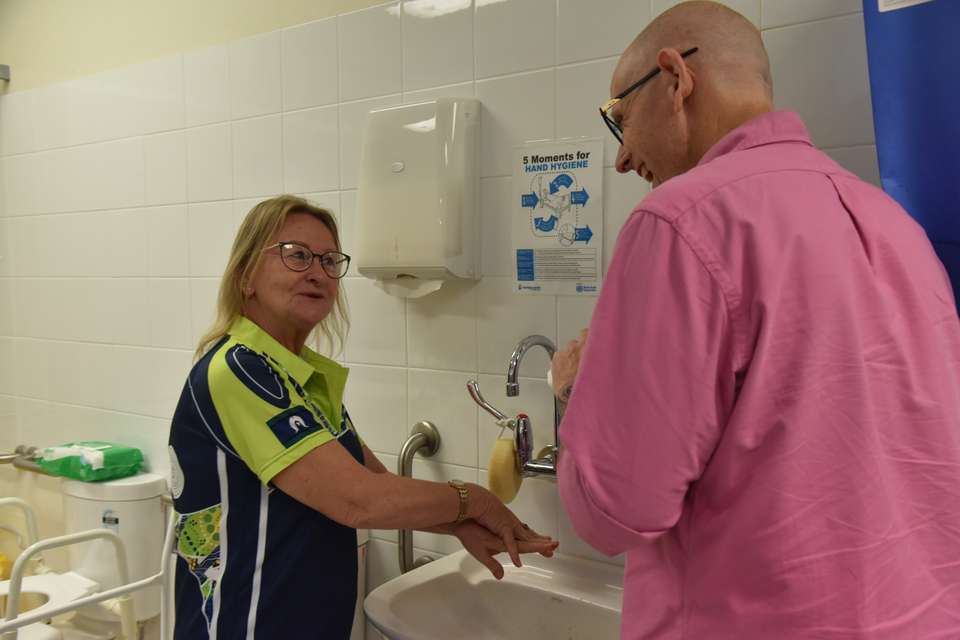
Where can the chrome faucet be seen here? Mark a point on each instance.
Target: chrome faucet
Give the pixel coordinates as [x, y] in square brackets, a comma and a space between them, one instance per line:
[521, 425]
[545, 465]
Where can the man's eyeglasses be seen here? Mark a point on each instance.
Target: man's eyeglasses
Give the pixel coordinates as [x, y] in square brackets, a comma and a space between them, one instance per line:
[298, 257]
[612, 124]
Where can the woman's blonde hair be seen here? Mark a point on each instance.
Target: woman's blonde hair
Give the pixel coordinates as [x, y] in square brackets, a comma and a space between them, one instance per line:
[255, 232]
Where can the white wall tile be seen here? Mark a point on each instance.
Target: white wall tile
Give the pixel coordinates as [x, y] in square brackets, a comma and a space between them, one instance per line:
[777, 13]
[310, 73]
[382, 564]
[203, 305]
[347, 220]
[206, 86]
[243, 207]
[573, 314]
[156, 90]
[860, 160]
[34, 360]
[441, 398]
[377, 325]
[353, 120]
[168, 320]
[122, 311]
[117, 245]
[376, 398]
[7, 267]
[622, 193]
[75, 379]
[515, 109]
[329, 200]
[165, 168]
[8, 369]
[168, 241]
[581, 89]
[52, 116]
[6, 307]
[20, 184]
[209, 163]
[97, 176]
[437, 42]
[505, 318]
[442, 328]
[748, 8]
[370, 52]
[496, 241]
[460, 90]
[258, 157]
[17, 122]
[598, 28]
[311, 150]
[820, 70]
[514, 35]
[255, 80]
[128, 367]
[213, 226]
[535, 400]
[9, 434]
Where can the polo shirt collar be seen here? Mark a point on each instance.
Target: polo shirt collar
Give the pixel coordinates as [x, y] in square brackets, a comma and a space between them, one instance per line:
[301, 366]
[769, 128]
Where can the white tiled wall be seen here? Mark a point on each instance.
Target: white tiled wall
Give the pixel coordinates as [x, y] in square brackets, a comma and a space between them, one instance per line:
[121, 193]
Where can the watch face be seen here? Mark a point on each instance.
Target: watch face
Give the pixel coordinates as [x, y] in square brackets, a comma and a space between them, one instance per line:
[459, 484]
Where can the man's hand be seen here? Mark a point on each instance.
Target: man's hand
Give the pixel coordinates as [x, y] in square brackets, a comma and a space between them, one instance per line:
[483, 545]
[565, 364]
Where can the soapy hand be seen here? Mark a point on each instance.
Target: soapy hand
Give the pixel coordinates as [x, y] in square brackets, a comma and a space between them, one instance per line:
[489, 512]
[563, 369]
[483, 545]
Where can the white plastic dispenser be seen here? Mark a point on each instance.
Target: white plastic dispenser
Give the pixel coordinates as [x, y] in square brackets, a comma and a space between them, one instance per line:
[417, 196]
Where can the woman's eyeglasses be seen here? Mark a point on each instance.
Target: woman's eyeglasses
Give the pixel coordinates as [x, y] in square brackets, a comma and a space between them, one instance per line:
[298, 257]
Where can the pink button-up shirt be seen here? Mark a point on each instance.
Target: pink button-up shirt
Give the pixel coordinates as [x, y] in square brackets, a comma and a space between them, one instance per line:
[767, 413]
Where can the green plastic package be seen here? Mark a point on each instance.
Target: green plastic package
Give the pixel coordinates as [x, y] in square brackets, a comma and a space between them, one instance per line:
[91, 460]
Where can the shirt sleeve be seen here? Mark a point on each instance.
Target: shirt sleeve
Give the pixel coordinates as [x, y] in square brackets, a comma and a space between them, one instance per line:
[264, 422]
[655, 385]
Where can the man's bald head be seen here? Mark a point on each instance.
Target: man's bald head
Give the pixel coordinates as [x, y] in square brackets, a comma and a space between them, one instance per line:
[731, 52]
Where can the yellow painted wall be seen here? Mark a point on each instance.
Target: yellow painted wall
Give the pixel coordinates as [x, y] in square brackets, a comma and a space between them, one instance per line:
[47, 41]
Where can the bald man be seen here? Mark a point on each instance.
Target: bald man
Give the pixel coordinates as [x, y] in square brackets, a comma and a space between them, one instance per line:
[764, 417]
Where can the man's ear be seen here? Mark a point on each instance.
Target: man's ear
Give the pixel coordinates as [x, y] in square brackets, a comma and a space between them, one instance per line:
[680, 75]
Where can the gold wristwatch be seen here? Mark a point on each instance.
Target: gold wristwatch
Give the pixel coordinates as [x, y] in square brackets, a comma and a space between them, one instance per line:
[462, 492]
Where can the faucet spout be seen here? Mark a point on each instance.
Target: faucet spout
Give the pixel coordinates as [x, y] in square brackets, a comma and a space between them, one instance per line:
[513, 370]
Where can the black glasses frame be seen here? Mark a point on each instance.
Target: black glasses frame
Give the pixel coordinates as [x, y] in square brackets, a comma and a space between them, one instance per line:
[608, 105]
[339, 256]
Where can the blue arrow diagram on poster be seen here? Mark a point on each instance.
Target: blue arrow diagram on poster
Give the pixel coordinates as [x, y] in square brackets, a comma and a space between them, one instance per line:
[913, 49]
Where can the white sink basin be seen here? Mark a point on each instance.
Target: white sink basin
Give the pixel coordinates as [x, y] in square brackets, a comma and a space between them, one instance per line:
[559, 598]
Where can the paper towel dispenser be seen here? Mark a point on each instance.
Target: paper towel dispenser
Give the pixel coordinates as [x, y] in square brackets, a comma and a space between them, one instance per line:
[417, 196]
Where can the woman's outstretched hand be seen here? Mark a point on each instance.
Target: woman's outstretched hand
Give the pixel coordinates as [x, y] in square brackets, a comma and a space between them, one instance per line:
[483, 545]
[489, 512]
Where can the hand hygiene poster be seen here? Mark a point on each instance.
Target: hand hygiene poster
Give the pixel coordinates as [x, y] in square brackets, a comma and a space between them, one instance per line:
[557, 217]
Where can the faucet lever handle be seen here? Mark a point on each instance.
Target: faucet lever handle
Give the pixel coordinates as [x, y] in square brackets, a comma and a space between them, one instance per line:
[474, 390]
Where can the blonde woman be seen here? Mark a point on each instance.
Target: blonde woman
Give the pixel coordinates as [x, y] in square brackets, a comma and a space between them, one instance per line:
[270, 479]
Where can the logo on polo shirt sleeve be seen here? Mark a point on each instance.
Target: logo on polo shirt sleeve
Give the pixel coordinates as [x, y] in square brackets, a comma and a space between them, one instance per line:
[257, 375]
[293, 425]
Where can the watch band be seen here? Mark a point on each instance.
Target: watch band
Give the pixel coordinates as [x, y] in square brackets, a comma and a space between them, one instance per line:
[463, 494]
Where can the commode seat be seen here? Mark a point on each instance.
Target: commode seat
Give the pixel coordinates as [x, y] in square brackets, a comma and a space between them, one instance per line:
[58, 589]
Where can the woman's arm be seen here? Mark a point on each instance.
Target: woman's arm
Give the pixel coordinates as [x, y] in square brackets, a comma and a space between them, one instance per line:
[329, 480]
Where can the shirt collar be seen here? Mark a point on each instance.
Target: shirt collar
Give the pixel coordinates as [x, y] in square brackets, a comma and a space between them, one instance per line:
[301, 366]
[769, 128]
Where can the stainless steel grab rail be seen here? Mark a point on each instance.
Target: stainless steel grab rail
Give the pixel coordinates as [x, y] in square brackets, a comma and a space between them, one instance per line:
[424, 437]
